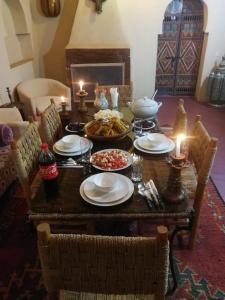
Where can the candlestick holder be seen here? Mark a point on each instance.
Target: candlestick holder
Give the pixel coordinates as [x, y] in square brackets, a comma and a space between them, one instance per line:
[174, 193]
[82, 106]
[64, 111]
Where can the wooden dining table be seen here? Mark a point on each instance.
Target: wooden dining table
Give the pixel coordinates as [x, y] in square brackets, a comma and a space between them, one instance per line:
[67, 207]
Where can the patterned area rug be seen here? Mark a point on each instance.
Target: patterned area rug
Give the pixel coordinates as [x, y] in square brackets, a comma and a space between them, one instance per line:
[200, 272]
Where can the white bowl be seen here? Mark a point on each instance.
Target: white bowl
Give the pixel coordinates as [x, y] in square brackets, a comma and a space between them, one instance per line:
[105, 181]
[70, 141]
[156, 139]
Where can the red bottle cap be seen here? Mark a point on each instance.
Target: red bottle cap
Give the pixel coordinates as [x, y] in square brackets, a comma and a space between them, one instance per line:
[44, 146]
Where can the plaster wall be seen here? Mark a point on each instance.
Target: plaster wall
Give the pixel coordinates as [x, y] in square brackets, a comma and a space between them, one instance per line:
[51, 35]
[214, 47]
[128, 23]
[10, 77]
[136, 24]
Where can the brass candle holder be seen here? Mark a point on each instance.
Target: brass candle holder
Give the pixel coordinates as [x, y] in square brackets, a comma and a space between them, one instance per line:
[82, 105]
[64, 104]
[174, 193]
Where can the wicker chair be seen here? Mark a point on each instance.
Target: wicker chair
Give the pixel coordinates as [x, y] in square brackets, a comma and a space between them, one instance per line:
[202, 150]
[51, 125]
[25, 152]
[103, 267]
[180, 124]
[125, 92]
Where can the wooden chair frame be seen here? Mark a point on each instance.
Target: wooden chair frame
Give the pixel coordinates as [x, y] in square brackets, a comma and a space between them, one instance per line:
[202, 151]
[25, 152]
[51, 125]
[104, 264]
[125, 92]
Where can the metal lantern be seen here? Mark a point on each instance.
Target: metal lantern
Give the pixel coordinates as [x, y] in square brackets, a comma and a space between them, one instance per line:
[50, 8]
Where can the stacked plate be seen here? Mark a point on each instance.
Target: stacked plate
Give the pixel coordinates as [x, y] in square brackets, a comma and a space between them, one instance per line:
[109, 190]
[154, 143]
[72, 145]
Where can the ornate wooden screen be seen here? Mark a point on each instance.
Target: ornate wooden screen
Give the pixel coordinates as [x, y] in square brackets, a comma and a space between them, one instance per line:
[179, 48]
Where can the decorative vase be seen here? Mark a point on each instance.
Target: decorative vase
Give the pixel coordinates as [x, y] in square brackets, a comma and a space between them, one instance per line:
[100, 99]
[174, 192]
[114, 97]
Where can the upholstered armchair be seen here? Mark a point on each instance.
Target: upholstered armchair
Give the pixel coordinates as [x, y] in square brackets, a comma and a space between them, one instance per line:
[36, 94]
[12, 117]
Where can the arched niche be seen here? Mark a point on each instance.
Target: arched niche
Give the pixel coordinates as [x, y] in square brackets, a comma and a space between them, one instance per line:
[17, 37]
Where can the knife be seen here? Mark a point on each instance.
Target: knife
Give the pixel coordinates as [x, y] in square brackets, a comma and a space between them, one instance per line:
[148, 185]
[156, 193]
[69, 166]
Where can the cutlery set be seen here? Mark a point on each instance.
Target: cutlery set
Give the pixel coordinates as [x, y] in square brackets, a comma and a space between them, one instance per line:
[68, 163]
[151, 194]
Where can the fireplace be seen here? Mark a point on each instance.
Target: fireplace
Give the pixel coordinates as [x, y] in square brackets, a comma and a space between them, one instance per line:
[102, 66]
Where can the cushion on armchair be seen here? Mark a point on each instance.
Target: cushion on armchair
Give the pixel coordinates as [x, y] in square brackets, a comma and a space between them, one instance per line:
[6, 135]
[41, 88]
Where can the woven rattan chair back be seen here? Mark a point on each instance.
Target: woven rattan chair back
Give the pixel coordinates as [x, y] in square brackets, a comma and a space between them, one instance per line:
[25, 153]
[180, 124]
[202, 150]
[104, 264]
[125, 92]
[51, 125]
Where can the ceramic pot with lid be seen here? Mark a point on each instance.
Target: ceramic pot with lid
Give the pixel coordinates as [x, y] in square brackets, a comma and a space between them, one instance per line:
[144, 108]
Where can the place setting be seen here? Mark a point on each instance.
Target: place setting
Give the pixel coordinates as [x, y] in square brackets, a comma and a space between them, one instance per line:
[72, 145]
[154, 143]
[106, 189]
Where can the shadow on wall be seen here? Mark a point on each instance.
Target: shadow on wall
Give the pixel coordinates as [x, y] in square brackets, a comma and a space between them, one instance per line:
[54, 60]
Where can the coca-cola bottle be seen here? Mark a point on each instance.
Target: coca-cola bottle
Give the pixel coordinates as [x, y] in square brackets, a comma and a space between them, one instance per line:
[48, 170]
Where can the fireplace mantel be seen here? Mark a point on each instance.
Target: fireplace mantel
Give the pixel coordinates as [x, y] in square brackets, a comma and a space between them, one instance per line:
[98, 56]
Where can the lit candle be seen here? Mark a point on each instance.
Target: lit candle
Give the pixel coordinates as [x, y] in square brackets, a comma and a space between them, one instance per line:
[81, 83]
[180, 138]
[63, 99]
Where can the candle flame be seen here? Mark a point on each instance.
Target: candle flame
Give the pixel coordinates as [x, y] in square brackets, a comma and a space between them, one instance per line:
[81, 83]
[181, 137]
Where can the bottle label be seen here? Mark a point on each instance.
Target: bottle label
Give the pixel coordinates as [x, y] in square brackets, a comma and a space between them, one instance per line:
[49, 172]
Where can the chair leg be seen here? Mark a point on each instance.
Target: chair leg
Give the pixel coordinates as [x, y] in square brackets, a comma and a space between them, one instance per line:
[193, 235]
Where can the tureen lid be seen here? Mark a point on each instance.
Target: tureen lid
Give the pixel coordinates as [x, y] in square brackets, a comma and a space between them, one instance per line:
[146, 102]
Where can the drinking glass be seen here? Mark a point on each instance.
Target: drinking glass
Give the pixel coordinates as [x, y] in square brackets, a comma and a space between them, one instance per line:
[138, 128]
[136, 168]
[85, 156]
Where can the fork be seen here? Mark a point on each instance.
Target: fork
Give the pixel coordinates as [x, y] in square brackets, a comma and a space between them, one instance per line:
[145, 193]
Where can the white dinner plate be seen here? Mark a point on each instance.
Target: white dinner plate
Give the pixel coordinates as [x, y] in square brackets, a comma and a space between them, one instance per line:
[76, 153]
[130, 191]
[129, 160]
[95, 194]
[163, 143]
[169, 149]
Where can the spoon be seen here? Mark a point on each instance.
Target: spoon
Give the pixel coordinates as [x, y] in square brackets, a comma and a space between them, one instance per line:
[156, 91]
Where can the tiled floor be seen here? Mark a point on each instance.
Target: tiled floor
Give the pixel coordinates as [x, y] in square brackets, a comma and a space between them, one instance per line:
[213, 119]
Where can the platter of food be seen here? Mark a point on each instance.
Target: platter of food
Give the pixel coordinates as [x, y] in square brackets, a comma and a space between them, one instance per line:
[107, 127]
[111, 160]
